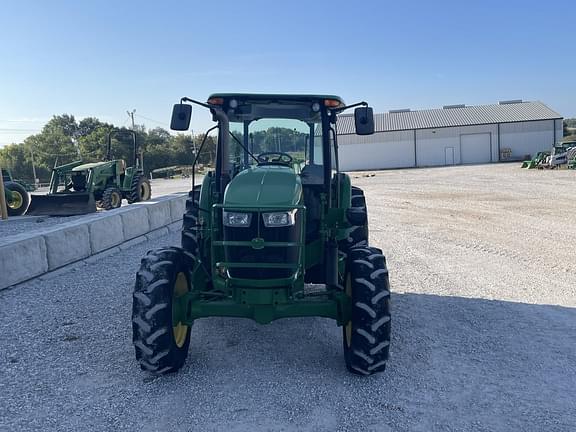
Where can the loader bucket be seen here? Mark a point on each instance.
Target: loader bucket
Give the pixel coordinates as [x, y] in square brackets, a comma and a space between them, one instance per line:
[68, 204]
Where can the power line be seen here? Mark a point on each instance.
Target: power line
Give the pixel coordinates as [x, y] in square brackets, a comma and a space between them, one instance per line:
[152, 120]
[19, 130]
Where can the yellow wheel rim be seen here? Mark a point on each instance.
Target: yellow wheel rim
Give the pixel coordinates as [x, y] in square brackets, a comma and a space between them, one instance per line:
[349, 325]
[180, 330]
[116, 200]
[16, 201]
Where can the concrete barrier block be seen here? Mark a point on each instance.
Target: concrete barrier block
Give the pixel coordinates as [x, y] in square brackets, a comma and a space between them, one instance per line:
[67, 244]
[177, 208]
[106, 232]
[159, 214]
[135, 221]
[22, 259]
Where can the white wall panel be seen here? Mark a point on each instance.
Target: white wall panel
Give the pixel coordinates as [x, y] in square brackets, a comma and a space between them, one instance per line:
[527, 137]
[378, 151]
[559, 129]
[434, 146]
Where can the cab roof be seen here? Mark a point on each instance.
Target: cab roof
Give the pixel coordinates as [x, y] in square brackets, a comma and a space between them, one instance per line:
[276, 97]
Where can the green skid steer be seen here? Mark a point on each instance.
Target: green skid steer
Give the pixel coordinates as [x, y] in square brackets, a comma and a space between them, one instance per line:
[275, 231]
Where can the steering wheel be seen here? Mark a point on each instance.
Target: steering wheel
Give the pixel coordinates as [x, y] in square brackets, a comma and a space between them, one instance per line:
[274, 158]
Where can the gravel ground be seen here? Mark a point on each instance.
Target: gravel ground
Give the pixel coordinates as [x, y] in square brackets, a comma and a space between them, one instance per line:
[484, 329]
[27, 224]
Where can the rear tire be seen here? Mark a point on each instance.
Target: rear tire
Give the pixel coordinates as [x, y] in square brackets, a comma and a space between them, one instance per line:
[20, 199]
[111, 198]
[140, 190]
[160, 346]
[367, 335]
[358, 235]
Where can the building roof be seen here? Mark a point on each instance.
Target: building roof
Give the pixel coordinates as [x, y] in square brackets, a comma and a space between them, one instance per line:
[453, 115]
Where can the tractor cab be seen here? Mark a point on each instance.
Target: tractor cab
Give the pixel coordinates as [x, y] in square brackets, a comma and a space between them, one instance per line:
[264, 136]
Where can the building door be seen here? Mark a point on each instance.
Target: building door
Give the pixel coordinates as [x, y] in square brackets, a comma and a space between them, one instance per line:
[449, 155]
[475, 148]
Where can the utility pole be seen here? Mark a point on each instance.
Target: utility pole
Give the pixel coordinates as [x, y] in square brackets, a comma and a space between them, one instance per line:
[131, 115]
[33, 166]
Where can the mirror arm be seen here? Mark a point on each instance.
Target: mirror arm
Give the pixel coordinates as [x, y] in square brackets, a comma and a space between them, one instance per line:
[344, 108]
[187, 99]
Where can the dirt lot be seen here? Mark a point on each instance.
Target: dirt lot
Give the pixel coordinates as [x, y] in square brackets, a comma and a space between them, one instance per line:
[504, 233]
[483, 272]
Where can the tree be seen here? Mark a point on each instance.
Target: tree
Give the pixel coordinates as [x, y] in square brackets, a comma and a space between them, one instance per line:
[93, 145]
[89, 125]
[64, 124]
[62, 139]
[569, 127]
[17, 159]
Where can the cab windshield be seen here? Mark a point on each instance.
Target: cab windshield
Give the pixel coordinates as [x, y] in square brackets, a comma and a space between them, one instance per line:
[292, 137]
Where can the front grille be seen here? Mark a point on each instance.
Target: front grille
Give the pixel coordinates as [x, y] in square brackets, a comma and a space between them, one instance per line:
[267, 255]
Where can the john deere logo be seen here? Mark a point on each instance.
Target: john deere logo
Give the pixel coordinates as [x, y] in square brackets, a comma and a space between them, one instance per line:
[257, 243]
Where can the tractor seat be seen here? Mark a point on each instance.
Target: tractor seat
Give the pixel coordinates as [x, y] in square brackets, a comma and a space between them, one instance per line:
[79, 182]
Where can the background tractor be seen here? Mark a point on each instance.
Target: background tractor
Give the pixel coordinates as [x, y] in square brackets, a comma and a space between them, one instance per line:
[275, 231]
[16, 193]
[79, 187]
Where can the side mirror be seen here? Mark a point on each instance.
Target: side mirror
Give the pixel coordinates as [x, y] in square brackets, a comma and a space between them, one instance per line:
[364, 120]
[181, 115]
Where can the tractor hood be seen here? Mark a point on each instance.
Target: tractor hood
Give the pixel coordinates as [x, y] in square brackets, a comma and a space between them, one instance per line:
[269, 185]
[88, 166]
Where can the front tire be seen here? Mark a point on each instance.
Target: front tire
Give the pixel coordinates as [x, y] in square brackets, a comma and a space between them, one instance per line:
[367, 335]
[161, 346]
[111, 198]
[19, 201]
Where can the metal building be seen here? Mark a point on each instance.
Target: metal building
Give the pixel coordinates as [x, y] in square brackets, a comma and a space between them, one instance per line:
[453, 135]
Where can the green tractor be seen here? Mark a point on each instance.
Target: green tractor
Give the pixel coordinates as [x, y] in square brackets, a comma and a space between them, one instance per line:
[275, 231]
[16, 193]
[79, 188]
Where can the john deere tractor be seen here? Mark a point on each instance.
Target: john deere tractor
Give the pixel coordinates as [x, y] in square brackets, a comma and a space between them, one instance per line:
[275, 231]
[79, 187]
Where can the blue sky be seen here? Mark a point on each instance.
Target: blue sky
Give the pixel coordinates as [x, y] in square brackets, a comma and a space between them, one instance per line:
[101, 58]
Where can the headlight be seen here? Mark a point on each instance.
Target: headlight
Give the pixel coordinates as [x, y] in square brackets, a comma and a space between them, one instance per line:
[233, 219]
[279, 219]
